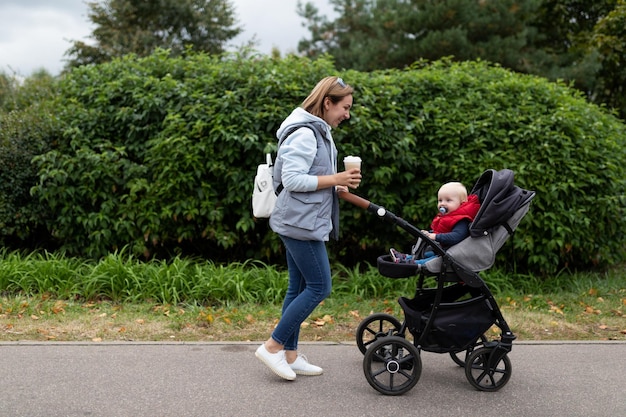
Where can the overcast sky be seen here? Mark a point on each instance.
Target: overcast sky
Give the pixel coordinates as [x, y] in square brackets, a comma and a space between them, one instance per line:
[35, 34]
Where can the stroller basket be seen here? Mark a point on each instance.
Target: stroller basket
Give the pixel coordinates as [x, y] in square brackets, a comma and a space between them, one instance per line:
[462, 316]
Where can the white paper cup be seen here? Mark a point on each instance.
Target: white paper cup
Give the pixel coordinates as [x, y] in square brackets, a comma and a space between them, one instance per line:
[352, 162]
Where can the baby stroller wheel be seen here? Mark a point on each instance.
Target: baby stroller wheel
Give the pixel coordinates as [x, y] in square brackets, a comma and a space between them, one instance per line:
[461, 357]
[374, 327]
[486, 376]
[392, 365]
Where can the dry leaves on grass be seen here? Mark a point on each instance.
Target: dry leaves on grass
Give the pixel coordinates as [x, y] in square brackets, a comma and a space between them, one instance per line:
[319, 322]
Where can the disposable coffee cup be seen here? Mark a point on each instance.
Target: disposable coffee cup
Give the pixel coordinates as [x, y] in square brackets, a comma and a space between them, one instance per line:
[352, 162]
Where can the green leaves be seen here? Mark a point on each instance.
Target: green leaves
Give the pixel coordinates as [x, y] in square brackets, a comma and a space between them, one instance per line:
[157, 154]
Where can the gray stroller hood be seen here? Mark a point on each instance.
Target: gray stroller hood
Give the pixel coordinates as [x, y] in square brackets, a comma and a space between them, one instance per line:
[502, 207]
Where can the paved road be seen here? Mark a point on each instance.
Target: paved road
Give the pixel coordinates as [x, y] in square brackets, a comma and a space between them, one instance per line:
[225, 379]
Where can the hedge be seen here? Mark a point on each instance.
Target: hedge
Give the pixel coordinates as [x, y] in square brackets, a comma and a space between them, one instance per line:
[157, 154]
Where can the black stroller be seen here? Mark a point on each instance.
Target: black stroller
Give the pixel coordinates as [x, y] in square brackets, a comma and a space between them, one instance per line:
[452, 315]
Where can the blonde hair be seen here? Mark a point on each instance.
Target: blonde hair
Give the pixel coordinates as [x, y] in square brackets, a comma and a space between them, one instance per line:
[456, 188]
[332, 87]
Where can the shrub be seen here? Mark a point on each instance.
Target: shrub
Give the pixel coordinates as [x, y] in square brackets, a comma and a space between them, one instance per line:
[23, 134]
[159, 154]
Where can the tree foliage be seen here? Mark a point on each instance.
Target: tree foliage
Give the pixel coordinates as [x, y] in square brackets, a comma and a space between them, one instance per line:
[371, 34]
[139, 27]
[558, 39]
[609, 38]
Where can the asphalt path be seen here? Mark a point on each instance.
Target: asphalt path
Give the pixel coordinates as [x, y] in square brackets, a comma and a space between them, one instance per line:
[225, 379]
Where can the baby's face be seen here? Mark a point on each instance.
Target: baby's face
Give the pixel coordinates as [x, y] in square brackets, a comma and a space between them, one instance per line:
[449, 201]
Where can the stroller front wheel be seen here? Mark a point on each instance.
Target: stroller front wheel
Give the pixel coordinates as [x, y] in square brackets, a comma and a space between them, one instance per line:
[374, 327]
[392, 365]
[460, 358]
[485, 373]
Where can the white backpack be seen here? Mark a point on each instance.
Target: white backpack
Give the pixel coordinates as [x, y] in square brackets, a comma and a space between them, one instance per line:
[263, 196]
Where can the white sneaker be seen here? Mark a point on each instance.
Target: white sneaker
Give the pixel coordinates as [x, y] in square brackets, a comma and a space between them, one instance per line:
[301, 366]
[276, 362]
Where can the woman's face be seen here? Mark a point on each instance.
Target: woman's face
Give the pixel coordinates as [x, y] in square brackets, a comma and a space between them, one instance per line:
[335, 113]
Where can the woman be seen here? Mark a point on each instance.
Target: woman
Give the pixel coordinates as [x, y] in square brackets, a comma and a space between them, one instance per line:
[307, 215]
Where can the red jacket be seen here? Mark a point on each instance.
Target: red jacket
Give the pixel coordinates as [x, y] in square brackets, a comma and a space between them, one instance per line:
[443, 223]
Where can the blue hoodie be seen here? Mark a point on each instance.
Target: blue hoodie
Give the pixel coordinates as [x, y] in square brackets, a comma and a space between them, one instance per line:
[303, 212]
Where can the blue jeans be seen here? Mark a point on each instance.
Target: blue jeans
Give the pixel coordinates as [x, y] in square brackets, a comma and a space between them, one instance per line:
[309, 284]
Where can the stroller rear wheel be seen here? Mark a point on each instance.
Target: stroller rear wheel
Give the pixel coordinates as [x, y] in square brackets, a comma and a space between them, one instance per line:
[487, 373]
[374, 327]
[460, 358]
[392, 365]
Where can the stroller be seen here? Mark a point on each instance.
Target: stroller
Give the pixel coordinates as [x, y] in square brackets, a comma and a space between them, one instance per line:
[452, 315]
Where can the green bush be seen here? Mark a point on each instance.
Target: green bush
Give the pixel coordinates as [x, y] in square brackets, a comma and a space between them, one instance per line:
[23, 135]
[158, 154]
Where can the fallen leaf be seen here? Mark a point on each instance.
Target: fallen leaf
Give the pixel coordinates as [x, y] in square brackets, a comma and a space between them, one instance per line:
[96, 339]
[319, 322]
[59, 307]
[556, 309]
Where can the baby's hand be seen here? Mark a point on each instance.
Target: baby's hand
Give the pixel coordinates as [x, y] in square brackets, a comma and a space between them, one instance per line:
[429, 235]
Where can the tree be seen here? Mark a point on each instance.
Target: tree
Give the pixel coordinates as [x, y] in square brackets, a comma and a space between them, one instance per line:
[17, 93]
[371, 34]
[609, 38]
[564, 30]
[140, 27]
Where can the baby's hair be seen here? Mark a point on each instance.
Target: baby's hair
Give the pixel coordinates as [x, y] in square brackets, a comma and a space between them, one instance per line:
[457, 188]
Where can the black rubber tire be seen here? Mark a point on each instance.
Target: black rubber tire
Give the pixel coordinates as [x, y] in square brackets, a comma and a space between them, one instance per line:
[461, 357]
[375, 326]
[484, 377]
[392, 365]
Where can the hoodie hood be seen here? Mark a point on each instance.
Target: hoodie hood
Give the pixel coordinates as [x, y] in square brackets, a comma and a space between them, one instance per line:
[300, 116]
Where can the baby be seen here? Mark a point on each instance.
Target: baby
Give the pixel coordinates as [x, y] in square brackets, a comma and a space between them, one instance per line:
[451, 225]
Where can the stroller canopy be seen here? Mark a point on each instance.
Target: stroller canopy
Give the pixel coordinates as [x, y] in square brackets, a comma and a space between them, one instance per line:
[499, 200]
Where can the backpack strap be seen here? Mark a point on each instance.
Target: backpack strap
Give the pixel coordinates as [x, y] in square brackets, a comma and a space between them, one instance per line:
[284, 138]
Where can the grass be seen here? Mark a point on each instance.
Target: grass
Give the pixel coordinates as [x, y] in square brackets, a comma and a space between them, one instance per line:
[51, 297]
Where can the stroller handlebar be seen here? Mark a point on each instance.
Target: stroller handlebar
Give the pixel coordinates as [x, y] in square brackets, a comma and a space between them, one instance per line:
[366, 205]
[354, 199]
[386, 215]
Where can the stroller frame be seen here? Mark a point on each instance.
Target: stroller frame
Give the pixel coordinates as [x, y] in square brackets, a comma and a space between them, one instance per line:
[452, 316]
